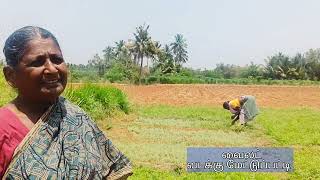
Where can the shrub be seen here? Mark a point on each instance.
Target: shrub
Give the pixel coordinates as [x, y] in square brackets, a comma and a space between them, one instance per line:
[99, 101]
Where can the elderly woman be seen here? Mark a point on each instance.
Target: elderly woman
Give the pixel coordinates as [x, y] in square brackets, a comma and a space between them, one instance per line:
[243, 109]
[43, 135]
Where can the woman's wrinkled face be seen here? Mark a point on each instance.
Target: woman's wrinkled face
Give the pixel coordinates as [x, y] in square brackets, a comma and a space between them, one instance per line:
[41, 74]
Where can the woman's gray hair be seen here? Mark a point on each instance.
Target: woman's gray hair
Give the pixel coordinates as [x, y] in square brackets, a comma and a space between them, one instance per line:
[16, 43]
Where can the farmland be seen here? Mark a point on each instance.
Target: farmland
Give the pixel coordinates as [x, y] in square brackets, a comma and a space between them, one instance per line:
[215, 95]
[166, 119]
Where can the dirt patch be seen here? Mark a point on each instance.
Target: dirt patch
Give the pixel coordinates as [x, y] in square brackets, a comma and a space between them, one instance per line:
[215, 95]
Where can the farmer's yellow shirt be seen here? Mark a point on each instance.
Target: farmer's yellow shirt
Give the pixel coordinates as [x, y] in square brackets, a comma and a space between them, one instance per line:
[234, 104]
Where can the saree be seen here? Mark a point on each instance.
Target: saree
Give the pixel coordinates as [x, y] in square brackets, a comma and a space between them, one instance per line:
[249, 109]
[12, 132]
[66, 144]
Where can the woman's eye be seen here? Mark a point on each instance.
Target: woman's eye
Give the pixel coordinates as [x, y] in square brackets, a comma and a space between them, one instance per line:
[57, 60]
[37, 63]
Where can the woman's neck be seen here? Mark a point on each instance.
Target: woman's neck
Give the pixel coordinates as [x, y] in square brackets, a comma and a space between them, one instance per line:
[33, 110]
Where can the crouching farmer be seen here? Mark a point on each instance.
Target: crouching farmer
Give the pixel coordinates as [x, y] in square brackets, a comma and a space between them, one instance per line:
[243, 109]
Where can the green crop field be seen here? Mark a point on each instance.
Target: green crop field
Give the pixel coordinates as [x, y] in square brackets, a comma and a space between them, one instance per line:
[156, 140]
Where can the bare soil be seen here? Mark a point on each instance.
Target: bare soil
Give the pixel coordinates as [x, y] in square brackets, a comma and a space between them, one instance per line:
[215, 95]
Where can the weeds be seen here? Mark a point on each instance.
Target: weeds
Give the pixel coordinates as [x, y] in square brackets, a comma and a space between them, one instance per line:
[99, 101]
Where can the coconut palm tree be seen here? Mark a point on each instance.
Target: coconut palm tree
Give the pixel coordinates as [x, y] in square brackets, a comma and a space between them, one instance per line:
[169, 62]
[280, 66]
[179, 50]
[122, 53]
[154, 48]
[313, 63]
[120, 47]
[165, 61]
[141, 46]
[108, 55]
[299, 62]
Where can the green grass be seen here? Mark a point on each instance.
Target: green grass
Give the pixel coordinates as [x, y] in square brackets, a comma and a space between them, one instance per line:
[307, 161]
[160, 135]
[292, 126]
[149, 173]
[98, 101]
[7, 93]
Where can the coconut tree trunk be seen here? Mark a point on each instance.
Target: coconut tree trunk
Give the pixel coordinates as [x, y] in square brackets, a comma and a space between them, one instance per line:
[148, 63]
[140, 73]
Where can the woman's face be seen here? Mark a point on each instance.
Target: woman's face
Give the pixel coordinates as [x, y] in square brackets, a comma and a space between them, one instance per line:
[41, 74]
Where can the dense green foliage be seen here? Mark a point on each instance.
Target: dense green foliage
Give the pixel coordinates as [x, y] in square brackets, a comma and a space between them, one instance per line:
[98, 101]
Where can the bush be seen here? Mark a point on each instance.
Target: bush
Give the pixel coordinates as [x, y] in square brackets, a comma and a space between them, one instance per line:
[99, 101]
[116, 73]
[119, 72]
[152, 80]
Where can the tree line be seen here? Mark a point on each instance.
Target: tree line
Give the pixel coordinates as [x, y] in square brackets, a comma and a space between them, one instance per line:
[138, 58]
[302, 66]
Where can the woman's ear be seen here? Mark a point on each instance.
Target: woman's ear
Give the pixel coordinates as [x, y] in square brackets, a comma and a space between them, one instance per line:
[10, 75]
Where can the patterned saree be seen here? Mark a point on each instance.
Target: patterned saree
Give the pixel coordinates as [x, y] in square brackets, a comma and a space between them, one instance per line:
[249, 108]
[66, 144]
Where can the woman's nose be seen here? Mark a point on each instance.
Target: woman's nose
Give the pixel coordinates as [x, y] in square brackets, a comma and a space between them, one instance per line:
[50, 68]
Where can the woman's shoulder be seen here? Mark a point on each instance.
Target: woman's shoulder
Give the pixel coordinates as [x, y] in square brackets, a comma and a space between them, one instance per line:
[6, 114]
[3, 110]
[73, 112]
[10, 122]
[69, 107]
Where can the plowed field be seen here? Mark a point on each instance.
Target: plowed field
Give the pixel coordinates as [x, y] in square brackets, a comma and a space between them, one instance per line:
[215, 95]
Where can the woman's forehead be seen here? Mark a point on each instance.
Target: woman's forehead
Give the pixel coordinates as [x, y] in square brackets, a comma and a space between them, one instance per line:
[40, 46]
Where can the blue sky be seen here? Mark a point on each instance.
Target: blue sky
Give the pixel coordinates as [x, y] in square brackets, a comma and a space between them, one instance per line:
[234, 32]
